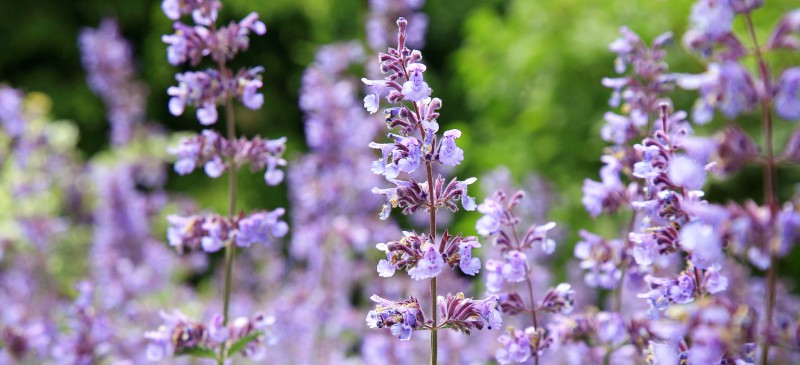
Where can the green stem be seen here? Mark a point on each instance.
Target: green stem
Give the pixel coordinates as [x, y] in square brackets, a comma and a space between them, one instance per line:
[434, 329]
[230, 248]
[770, 183]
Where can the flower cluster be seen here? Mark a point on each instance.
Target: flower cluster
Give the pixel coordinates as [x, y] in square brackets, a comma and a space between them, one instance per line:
[180, 334]
[221, 338]
[191, 44]
[211, 232]
[423, 259]
[499, 223]
[109, 61]
[414, 113]
[216, 154]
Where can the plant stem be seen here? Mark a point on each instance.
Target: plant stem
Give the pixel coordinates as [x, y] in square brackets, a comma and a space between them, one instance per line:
[230, 248]
[530, 294]
[434, 333]
[770, 183]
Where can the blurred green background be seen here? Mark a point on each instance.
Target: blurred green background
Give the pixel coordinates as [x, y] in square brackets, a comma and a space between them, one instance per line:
[521, 78]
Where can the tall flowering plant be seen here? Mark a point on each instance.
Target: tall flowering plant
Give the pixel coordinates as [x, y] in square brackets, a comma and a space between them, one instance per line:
[221, 337]
[499, 223]
[685, 256]
[413, 116]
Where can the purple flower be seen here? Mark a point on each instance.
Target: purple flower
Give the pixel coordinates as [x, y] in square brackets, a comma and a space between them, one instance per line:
[714, 282]
[608, 194]
[251, 98]
[703, 243]
[489, 223]
[727, 86]
[207, 114]
[787, 99]
[682, 291]
[611, 328]
[259, 227]
[515, 268]
[449, 153]
[467, 201]
[494, 275]
[11, 110]
[645, 250]
[213, 168]
[385, 269]
[371, 103]
[686, 172]
[213, 241]
[713, 18]
[489, 310]
[469, 265]
[516, 347]
[430, 265]
[559, 299]
[416, 89]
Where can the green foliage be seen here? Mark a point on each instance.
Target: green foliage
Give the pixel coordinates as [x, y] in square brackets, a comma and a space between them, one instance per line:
[240, 344]
[200, 352]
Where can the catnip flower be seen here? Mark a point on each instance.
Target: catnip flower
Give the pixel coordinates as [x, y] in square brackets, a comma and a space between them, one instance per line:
[449, 153]
[430, 265]
[416, 89]
[787, 99]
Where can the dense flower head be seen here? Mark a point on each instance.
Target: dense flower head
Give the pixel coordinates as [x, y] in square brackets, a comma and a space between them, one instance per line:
[518, 346]
[466, 314]
[211, 232]
[402, 318]
[206, 89]
[192, 43]
[216, 154]
[203, 11]
[181, 334]
[423, 259]
[11, 110]
[108, 59]
[727, 87]
[600, 258]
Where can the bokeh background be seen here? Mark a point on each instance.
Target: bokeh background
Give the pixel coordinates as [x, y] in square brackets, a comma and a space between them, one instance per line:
[520, 78]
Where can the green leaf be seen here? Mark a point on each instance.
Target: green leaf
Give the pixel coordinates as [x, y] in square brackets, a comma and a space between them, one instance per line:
[198, 352]
[242, 342]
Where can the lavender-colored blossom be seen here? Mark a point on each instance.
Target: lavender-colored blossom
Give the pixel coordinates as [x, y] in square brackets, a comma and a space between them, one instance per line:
[371, 103]
[727, 86]
[559, 299]
[787, 99]
[785, 33]
[601, 258]
[449, 153]
[489, 223]
[515, 268]
[402, 318]
[430, 265]
[416, 89]
[713, 18]
[11, 110]
[108, 59]
[260, 227]
[703, 244]
[686, 172]
[469, 265]
[516, 348]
